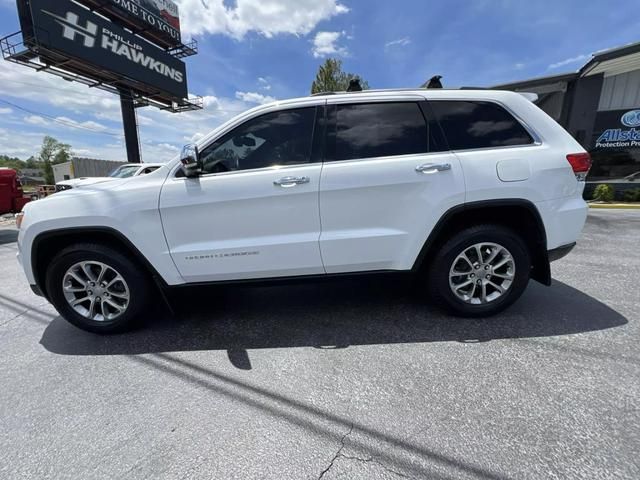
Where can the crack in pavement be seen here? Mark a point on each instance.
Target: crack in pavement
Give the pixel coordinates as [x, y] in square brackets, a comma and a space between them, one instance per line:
[335, 457]
[370, 459]
[373, 459]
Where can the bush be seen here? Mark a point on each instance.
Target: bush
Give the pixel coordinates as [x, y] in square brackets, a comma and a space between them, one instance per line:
[604, 193]
[632, 195]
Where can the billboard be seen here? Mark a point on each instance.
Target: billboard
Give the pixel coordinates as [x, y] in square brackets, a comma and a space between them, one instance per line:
[158, 20]
[65, 27]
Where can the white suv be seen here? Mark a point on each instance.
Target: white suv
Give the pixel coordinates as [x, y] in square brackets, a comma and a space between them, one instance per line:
[473, 192]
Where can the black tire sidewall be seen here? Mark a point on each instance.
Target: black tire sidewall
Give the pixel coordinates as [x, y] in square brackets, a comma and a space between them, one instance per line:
[136, 282]
[439, 278]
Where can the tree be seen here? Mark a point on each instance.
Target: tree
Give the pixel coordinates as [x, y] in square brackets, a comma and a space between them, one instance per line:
[53, 152]
[331, 78]
[63, 154]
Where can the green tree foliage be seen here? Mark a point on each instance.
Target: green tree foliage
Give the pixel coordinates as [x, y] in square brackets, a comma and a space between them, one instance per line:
[52, 152]
[603, 193]
[632, 195]
[331, 78]
[12, 162]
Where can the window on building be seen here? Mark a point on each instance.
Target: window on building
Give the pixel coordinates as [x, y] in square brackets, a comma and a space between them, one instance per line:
[279, 138]
[369, 130]
[469, 125]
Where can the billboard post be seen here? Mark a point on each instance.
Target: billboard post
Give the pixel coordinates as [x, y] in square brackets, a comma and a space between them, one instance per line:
[130, 125]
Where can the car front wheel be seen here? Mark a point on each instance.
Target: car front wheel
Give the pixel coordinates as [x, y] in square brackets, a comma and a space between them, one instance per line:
[97, 288]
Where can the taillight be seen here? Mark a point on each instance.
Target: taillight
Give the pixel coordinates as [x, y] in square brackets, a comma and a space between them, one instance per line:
[580, 163]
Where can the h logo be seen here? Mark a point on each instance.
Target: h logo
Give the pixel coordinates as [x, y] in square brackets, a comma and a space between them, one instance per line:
[71, 28]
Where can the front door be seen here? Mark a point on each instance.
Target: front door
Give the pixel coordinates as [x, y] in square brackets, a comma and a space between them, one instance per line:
[253, 213]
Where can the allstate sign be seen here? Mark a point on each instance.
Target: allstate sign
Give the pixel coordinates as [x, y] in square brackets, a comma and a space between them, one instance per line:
[631, 119]
[621, 137]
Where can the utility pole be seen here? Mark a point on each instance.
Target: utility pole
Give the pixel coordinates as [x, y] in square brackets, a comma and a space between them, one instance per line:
[130, 124]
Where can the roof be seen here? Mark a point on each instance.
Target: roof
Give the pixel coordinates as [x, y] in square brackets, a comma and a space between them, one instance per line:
[538, 81]
[610, 62]
[614, 61]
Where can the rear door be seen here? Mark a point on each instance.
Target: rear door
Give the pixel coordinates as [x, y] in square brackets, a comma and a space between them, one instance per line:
[497, 153]
[387, 179]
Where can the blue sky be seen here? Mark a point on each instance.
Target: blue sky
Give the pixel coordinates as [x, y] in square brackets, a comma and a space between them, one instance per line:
[252, 51]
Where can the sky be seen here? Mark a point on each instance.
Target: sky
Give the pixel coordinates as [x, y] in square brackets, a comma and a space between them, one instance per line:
[255, 51]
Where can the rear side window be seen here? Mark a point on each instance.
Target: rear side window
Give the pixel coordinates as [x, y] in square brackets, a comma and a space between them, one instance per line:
[369, 130]
[469, 125]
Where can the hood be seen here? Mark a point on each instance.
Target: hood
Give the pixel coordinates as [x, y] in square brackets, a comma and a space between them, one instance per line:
[80, 182]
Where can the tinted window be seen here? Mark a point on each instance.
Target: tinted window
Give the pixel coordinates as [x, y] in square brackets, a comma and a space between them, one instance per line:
[478, 125]
[280, 138]
[379, 130]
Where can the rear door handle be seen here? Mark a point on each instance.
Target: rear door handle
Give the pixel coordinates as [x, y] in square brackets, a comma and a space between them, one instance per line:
[287, 182]
[433, 167]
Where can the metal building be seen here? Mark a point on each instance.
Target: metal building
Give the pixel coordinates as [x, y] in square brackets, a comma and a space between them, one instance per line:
[600, 106]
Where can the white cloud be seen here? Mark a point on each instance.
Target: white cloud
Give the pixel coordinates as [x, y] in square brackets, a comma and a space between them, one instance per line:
[89, 124]
[5, 111]
[75, 104]
[326, 43]
[568, 61]
[519, 66]
[266, 17]
[400, 42]
[264, 83]
[253, 97]
[36, 120]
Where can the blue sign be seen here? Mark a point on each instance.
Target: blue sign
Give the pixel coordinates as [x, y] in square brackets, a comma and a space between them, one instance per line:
[631, 119]
[620, 137]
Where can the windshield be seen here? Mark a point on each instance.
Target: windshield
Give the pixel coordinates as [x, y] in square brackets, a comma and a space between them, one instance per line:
[125, 171]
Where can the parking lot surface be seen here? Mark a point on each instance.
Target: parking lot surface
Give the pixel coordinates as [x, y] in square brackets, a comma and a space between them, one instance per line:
[355, 380]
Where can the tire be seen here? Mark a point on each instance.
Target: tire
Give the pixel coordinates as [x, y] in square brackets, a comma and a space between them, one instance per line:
[117, 307]
[456, 263]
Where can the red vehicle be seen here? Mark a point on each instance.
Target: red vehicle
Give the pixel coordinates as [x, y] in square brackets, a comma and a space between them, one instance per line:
[12, 198]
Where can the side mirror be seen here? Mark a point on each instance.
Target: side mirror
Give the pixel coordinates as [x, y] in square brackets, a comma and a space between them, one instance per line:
[191, 165]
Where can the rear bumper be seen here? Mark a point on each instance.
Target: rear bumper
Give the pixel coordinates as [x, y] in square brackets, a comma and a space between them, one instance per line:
[560, 252]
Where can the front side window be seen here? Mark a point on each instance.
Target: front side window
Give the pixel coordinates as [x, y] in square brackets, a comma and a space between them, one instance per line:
[470, 124]
[370, 130]
[274, 139]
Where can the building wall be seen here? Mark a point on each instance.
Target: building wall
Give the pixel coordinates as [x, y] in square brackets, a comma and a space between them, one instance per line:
[620, 92]
[582, 107]
[90, 167]
[62, 171]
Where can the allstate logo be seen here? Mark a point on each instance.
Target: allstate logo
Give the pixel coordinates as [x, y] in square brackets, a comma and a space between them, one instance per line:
[631, 119]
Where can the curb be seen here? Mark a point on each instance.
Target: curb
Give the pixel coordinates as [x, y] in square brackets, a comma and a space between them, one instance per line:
[619, 206]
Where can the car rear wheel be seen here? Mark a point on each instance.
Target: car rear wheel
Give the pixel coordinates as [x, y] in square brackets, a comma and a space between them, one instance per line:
[480, 271]
[97, 288]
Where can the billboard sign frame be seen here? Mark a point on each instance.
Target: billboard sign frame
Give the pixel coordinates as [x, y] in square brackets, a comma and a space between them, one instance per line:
[64, 27]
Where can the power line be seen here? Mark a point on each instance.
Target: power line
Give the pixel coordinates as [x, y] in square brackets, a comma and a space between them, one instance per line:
[131, 97]
[59, 120]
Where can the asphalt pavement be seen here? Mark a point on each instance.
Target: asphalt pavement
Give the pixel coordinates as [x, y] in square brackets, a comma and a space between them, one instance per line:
[350, 380]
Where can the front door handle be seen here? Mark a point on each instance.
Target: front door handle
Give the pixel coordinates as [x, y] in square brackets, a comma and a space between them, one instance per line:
[433, 167]
[287, 182]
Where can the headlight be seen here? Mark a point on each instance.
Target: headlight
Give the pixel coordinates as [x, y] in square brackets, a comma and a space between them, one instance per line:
[19, 218]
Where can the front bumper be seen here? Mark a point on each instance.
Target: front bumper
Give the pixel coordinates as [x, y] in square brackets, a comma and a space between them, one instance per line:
[36, 289]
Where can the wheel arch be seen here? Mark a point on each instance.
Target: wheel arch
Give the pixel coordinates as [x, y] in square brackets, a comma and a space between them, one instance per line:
[518, 214]
[46, 244]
